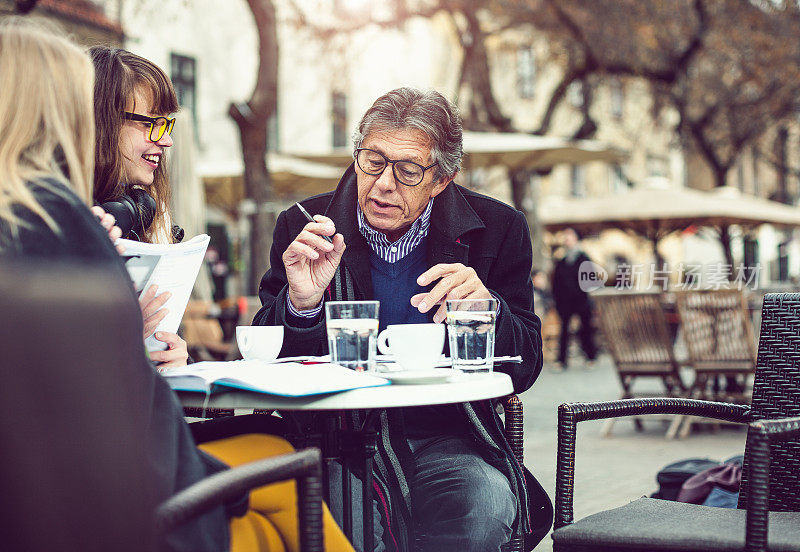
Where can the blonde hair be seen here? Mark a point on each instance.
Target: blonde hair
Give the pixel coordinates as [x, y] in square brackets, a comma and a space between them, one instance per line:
[45, 115]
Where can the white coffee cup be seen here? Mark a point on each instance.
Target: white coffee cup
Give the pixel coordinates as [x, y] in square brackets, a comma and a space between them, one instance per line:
[413, 346]
[259, 342]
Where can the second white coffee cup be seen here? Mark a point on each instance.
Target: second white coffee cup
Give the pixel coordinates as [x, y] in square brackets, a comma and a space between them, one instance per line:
[259, 342]
[413, 346]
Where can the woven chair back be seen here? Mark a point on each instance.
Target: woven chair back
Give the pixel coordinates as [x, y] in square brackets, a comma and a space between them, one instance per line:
[776, 394]
[717, 329]
[636, 332]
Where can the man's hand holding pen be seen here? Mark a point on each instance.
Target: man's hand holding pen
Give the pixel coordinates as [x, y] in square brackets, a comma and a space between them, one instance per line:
[311, 261]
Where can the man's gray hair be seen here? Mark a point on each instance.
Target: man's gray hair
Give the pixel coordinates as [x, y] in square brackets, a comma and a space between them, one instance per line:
[426, 111]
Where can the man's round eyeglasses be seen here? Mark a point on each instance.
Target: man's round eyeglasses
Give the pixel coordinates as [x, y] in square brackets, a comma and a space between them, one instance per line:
[405, 172]
[158, 125]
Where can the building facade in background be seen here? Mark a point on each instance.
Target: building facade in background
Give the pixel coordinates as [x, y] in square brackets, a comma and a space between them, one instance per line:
[326, 81]
[88, 22]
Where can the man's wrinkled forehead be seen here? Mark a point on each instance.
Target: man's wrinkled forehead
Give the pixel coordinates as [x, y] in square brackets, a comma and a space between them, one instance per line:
[383, 139]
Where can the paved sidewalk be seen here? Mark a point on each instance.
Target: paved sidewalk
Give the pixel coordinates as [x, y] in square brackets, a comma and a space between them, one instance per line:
[615, 470]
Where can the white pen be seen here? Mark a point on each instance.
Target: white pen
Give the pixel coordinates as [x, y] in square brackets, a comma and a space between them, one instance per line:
[310, 219]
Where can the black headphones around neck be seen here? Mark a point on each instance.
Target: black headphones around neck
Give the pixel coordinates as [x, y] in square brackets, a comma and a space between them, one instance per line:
[134, 212]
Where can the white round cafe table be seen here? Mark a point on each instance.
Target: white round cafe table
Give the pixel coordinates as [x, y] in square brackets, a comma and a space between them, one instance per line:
[459, 388]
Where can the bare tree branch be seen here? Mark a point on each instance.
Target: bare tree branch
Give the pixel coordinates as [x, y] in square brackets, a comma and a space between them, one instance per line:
[251, 118]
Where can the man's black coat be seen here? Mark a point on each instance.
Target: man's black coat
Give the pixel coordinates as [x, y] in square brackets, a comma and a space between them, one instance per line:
[466, 228]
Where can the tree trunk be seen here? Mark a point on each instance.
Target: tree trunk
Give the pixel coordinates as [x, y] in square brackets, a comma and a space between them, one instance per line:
[476, 76]
[725, 240]
[780, 154]
[258, 187]
[251, 118]
[524, 195]
[720, 174]
[588, 126]
[659, 261]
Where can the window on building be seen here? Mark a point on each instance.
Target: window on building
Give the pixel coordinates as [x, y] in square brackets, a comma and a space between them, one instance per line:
[750, 261]
[273, 132]
[740, 174]
[657, 166]
[577, 179]
[617, 100]
[526, 72]
[339, 118]
[783, 262]
[184, 79]
[617, 181]
[575, 93]
[754, 159]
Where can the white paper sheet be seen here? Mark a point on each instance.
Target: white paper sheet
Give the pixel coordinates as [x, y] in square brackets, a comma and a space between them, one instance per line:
[173, 268]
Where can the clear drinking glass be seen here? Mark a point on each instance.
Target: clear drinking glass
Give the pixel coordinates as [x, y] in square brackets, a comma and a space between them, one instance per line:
[470, 330]
[352, 333]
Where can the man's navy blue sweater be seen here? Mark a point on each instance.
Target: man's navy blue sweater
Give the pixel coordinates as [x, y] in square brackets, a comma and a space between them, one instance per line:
[394, 285]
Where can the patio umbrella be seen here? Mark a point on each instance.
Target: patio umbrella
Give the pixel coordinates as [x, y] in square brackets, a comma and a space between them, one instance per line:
[651, 211]
[513, 150]
[657, 212]
[306, 174]
[294, 176]
[291, 177]
[526, 151]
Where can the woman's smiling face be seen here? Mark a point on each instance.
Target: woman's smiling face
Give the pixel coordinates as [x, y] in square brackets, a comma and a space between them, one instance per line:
[140, 156]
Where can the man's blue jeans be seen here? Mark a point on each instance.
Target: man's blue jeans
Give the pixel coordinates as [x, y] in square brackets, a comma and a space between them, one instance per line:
[459, 502]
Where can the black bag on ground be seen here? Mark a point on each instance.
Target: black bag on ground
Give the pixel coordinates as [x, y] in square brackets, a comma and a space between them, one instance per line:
[672, 476]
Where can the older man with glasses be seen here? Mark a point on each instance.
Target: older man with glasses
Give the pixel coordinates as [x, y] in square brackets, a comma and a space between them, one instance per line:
[403, 233]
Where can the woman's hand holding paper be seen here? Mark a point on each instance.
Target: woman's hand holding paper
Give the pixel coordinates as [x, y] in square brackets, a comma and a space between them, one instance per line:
[152, 313]
[175, 355]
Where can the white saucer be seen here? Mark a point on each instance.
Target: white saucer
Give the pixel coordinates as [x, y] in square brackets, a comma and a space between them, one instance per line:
[418, 376]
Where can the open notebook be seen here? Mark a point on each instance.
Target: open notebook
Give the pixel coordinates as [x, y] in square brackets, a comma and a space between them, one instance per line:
[287, 379]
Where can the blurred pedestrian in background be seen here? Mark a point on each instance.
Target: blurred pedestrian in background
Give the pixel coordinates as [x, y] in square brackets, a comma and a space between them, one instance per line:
[571, 300]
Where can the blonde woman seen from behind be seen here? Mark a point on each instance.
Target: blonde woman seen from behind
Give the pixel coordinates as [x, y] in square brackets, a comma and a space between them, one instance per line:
[45, 136]
[46, 164]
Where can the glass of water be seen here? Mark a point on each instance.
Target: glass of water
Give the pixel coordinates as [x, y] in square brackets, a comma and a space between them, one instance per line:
[470, 330]
[352, 333]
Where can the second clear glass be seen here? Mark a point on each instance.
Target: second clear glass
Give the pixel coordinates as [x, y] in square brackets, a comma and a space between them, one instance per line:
[470, 330]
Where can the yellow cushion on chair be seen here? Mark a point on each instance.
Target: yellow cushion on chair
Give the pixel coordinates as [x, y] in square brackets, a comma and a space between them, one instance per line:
[277, 502]
[254, 533]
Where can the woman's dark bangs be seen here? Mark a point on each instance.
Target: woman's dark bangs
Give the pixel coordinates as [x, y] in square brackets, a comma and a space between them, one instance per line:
[164, 100]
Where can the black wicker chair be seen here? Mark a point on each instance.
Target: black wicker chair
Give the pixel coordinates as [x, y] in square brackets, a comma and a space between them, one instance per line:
[224, 487]
[770, 489]
[512, 408]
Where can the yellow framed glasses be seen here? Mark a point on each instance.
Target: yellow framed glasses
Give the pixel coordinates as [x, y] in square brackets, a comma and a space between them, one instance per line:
[158, 125]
